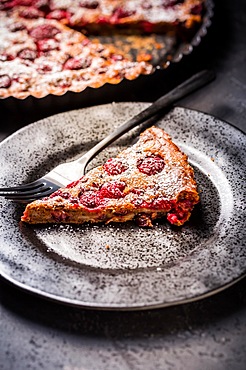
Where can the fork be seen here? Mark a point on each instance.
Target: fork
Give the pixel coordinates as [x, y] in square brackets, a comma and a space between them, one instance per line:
[60, 176]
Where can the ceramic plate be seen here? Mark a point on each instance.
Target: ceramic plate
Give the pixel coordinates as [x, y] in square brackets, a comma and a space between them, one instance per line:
[122, 266]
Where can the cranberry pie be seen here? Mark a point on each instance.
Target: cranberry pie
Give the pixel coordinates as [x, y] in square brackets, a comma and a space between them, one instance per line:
[149, 180]
[44, 50]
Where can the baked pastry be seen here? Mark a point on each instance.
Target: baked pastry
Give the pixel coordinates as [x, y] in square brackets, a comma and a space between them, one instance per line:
[146, 181]
[43, 49]
[42, 56]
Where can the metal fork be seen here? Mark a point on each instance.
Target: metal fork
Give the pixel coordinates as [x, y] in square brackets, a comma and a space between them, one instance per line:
[61, 176]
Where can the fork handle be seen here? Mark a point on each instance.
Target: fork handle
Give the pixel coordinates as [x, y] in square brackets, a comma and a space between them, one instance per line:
[166, 101]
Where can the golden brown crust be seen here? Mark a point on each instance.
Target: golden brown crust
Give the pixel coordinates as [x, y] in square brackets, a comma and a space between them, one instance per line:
[148, 180]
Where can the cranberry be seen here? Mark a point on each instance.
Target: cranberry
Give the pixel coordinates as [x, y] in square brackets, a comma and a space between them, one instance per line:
[44, 31]
[47, 44]
[5, 81]
[151, 165]
[114, 166]
[89, 4]
[31, 13]
[58, 14]
[77, 63]
[27, 53]
[112, 189]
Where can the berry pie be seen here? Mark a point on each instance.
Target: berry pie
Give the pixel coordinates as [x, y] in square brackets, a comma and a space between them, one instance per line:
[45, 46]
[148, 180]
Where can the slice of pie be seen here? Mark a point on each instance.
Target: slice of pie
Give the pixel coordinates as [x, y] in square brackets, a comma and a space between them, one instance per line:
[149, 180]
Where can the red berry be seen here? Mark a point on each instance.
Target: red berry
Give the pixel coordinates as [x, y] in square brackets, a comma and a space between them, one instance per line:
[27, 53]
[89, 199]
[112, 189]
[47, 44]
[44, 31]
[5, 81]
[77, 63]
[161, 204]
[114, 166]
[151, 165]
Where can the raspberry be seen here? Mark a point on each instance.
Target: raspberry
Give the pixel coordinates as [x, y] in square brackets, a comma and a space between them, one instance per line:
[77, 63]
[31, 13]
[161, 204]
[27, 53]
[89, 4]
[47, 44]
[112, 189]
[89, 199]
[114, 166]
[5, 81]
[44, 31]
[59, 14]
[151, 165]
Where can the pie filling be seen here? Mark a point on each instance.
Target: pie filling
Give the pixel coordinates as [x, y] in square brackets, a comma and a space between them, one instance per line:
[149, 180]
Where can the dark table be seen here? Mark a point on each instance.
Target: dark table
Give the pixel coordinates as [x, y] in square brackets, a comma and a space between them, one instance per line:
[207, 334]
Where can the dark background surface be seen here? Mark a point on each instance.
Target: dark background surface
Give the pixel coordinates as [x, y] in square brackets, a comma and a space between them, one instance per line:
[208, 334]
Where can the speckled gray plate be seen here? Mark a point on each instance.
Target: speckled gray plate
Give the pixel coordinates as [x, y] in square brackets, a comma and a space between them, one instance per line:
[123, 266]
